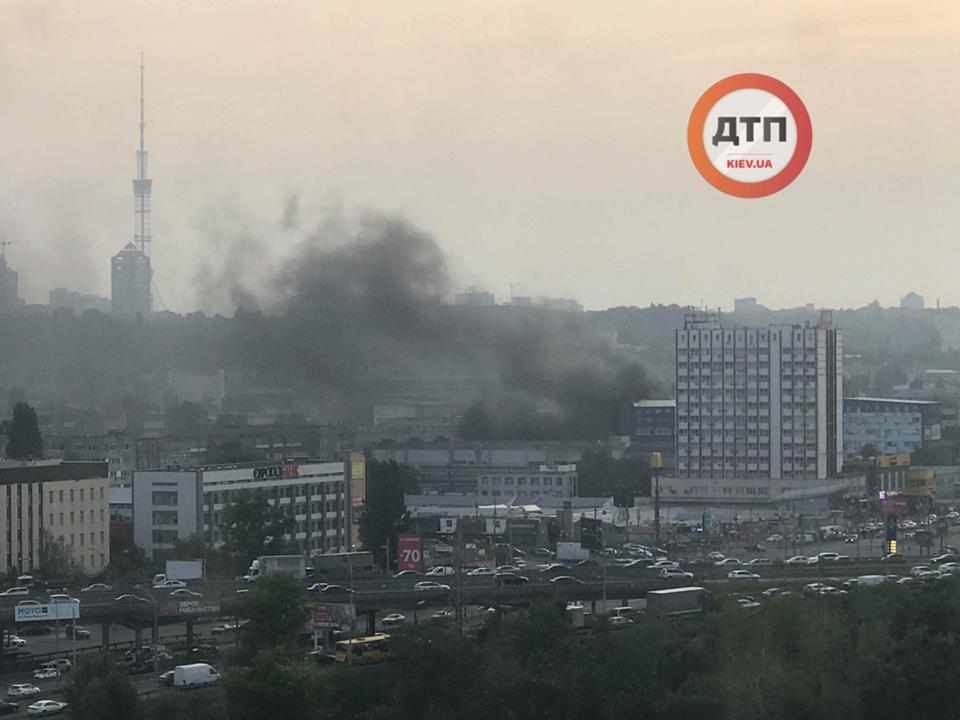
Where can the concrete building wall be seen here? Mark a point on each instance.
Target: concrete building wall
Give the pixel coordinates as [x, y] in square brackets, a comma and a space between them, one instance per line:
[77, 512]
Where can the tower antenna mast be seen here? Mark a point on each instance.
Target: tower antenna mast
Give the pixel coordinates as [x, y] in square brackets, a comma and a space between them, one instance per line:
[142, 186]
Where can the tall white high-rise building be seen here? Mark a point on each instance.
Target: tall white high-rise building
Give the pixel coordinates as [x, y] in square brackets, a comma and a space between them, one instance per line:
[759, 402]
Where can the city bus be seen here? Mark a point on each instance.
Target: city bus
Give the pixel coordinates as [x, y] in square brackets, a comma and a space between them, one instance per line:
[363, 650]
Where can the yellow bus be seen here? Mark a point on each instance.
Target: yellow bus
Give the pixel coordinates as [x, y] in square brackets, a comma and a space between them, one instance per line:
[363, 650]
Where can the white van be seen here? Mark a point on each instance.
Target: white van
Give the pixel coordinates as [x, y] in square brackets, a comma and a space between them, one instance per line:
[871, 580]
[194, 675]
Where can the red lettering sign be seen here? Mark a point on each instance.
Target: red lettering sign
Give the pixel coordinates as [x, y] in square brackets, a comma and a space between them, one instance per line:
[409, 552]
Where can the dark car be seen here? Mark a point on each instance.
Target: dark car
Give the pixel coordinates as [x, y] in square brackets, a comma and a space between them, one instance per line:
[322, 658]
[510, 579]
[894, 558]
[204, 653]
[8, 708]
[334, 590]
[80, 633]
[566, 580]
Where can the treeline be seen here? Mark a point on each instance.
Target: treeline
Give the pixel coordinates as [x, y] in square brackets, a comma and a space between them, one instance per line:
[888, 652]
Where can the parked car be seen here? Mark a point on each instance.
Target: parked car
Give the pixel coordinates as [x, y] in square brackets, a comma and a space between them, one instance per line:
[616, 621]
[97, 587]
[8, 708]
[742, 575]
[394, 619]
[894, 558]
[46, 707]
[918, 570]
[945, 558]
[22, 690]
[747, 603]
[431, 586]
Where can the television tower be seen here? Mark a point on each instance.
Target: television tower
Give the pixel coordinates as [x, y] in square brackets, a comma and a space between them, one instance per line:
[141, 186]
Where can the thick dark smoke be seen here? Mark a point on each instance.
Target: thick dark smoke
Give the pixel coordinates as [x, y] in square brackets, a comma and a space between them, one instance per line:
[359, 304]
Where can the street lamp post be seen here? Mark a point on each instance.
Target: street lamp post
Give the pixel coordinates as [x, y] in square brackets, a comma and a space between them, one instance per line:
[656, 464]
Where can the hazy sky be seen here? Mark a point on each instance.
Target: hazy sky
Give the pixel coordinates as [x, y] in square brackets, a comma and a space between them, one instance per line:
[542, 143]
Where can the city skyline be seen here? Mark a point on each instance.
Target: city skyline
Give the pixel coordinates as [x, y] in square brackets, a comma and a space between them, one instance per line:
[282, 105]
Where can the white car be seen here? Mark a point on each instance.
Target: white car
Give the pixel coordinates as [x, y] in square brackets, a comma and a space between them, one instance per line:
[46, 707]
[660, 564]
[727, 561]
[829, 556]
[715, 555]
[742, 575]
[776, 538]
[24, 603]
[394, 619]
[428, 585]
[170, 585]
[10, 592]
[759, 561]
[440, 570]
[62, 598]
[747, 603]
[675, 573]
[619, 621]
[97, 587]
[47, 673]
[918, 570]
[16, 641]
[482, 571]
[798, 560]
[22, 690]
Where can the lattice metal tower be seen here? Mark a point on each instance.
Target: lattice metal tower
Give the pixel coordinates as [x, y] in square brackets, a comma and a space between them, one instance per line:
[142, 186]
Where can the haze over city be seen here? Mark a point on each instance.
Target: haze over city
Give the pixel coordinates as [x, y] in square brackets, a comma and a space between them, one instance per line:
[541, 144]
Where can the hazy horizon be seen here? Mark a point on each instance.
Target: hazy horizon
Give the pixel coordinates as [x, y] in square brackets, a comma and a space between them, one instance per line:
[541, 144]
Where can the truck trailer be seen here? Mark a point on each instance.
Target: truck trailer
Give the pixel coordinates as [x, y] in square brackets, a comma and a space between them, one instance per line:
[676, 601]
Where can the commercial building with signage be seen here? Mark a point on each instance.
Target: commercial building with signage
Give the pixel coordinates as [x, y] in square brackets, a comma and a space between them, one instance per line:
[171, 505]
[54, 501]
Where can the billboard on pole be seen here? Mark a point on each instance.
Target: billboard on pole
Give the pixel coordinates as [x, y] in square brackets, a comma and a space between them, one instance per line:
[409, 552]
[50, 612]
[332, 616]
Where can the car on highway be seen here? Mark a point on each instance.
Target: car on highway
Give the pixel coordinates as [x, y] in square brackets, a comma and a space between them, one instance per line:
[317, 587]
[477, 572]
[8, 708]
[203, 653]
[917, 570]
[440, 571]
[716, 555]
[129, 599]
[949, 567]
[727, 562]
[77, 632]
[746, 603]
[335, 590]
[45, 673]
[15, 641]
[441, 615]
[509, 578]
[169, 585]
[814, 588]
[394, 619]
[46, 707]
[616, 621]
[553, 568]
[830, 590]
[851, 538]
[165, 679]
[945, 558]
[406, 574]
[829, 556]
[775, 538]
[61, 665]
[14, 591]
[566, 580]
[544, 552]
[742, 575]
[801, 560]
[97, 587]
[62, 598]
[230, 627]
[660, 564]
[753, 562]
[431, 586]
[22, 690]
[771, 592]
[185, 593]
[24, 603]
[675, 573]
[894, 558]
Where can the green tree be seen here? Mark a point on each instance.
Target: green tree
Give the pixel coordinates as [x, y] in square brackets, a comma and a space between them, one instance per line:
[56, 559]
[254, 527]
[385, 511]
[23, 434]
[277, 610]
[126, 559]
[599, 474]
[99, 689]
[205, 704]
[272, 686]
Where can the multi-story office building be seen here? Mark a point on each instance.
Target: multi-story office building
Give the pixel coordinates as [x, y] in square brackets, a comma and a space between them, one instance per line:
[171, 505]
[758, 402]
[50, 500]
[891, 426]
[651, 426]
[528, 483]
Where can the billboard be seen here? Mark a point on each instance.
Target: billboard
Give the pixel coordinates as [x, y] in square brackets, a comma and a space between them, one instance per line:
[50, 613]
[332, 616]
[409, 552]
[591, 533]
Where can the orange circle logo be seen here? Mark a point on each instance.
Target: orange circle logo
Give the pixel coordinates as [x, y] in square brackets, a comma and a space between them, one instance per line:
[749, 135]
